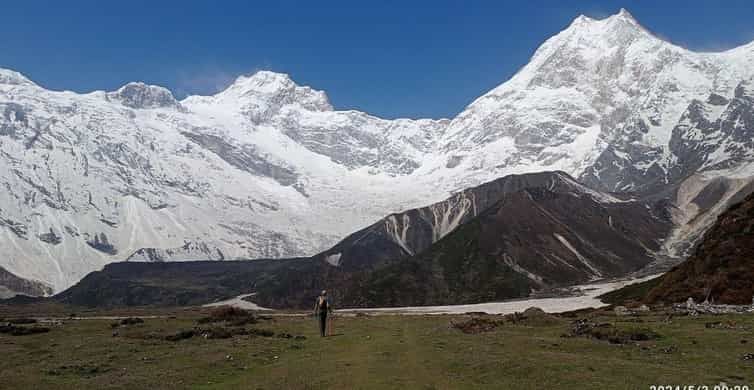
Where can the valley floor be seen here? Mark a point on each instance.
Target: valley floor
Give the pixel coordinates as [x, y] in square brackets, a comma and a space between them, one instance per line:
[375, 352]
[578, 297]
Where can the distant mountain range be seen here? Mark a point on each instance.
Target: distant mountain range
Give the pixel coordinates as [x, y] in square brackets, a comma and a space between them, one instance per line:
[503, 239]
[654, 136]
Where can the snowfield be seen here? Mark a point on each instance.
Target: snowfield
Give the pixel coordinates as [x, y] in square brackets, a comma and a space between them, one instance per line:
[239, 302]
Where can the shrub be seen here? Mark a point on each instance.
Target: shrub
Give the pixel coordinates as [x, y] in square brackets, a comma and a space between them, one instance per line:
[261, 332]
[182, 335]
[20, 321]
[22, 330]
[131, 321]
[232, 315]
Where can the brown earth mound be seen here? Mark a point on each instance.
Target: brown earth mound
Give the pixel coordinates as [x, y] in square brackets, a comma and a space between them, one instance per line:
[477, 325]
[607, 332]
[233, 316]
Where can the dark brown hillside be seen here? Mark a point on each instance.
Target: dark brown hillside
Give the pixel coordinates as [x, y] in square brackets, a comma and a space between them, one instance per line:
[529, 240]
[722, 266]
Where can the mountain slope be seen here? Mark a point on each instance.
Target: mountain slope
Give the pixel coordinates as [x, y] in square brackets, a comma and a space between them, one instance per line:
[530, 240]
[554, 231]
[564, 233]
[11, 285]
[410, 232]
[90, 179]
[189, 283]
[722, 265]
[598, 100]
[269, 169]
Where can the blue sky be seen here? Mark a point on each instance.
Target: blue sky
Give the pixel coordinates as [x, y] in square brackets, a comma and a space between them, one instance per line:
[389, 58]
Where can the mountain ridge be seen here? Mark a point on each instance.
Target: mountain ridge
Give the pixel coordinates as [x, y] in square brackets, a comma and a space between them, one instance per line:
[354, 268]
[268, 169]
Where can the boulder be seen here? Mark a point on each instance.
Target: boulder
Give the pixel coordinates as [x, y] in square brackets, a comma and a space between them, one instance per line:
[622, 311]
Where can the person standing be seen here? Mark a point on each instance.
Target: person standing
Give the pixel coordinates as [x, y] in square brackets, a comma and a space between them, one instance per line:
[322, 309]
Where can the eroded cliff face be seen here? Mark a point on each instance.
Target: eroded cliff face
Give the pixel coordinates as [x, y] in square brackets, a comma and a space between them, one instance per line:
[11, 285]
[721, 268]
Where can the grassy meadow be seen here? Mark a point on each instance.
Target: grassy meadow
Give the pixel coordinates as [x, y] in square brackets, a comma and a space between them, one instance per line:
[374, 352]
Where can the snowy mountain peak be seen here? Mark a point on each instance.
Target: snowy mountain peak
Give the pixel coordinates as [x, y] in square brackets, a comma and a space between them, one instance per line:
[274, 90]
[614, 28]
[599, 82]
[263, 81]
[589, 41]
[580, 20]
[623, 14]
[11, 77]
[140, 95]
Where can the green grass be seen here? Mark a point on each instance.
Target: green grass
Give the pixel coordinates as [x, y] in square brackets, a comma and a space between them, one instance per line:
[379, 352]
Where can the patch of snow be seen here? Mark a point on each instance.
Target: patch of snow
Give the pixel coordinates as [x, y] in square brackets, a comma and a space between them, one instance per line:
[576, 253]
[238, 302]
[333, 259]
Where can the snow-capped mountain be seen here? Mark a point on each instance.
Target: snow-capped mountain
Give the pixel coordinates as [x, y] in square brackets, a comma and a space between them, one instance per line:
[508, 238]
[599, 100]
[268, 168]
[265, 168]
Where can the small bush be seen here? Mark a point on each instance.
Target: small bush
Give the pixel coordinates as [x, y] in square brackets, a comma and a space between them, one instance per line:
[232, 315]
[533, 316]
[607, 332]
[22, 330]
[84, 370]
[644, 334]
[182, 335]
[131, 321]
[21, 321]
[477, 325]
[216, 333]
[261, 332]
